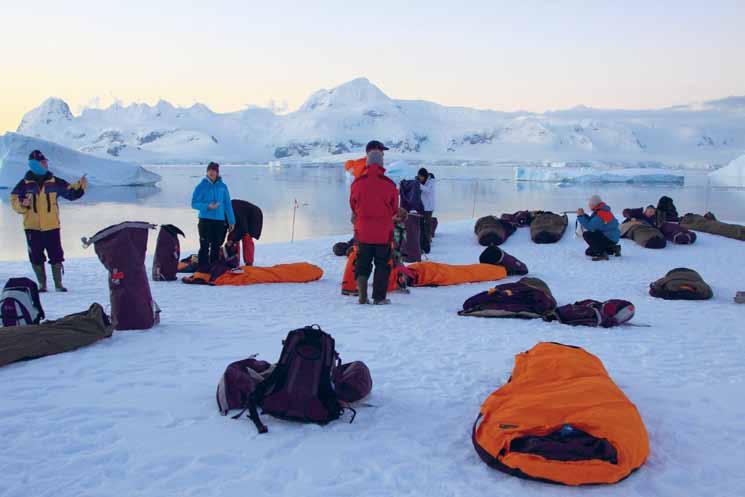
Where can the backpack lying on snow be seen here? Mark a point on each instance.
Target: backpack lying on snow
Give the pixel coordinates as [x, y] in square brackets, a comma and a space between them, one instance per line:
[307, 384]
[594, 313]
[20, 304]
[681, 284]
[529, 298]
[167, 253]
[561, 419]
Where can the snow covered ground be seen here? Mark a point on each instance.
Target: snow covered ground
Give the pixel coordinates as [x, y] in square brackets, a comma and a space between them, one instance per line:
[135, 415]
[589, 175]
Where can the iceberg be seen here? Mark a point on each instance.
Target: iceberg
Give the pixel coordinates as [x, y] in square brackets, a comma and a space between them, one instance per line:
[586, 175]
[67, 163]
[732, 175]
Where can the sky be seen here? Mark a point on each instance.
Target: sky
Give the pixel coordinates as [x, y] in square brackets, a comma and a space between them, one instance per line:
[503, 55]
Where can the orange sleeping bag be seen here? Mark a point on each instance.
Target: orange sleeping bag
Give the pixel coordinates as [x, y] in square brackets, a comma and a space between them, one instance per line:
[299, 272]
[561, 419]
[356, 167]
[438, 274]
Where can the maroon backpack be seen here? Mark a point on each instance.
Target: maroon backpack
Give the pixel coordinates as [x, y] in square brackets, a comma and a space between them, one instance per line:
[593, 313]
[167, 253]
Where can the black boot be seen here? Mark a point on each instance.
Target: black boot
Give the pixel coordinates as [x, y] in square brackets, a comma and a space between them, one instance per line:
[41, 276]
[57, 272]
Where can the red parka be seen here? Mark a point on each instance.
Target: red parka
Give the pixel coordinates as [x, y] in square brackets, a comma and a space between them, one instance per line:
[374, 201]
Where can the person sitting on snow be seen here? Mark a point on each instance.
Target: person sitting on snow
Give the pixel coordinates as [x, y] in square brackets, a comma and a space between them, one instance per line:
[601, 230]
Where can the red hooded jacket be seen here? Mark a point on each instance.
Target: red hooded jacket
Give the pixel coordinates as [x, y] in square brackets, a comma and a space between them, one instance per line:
[374, 201]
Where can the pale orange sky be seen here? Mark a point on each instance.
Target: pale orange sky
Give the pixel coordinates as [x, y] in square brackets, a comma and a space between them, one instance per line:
[492, 55]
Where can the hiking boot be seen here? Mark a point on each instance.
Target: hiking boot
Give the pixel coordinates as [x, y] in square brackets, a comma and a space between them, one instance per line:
[382, 302]
[615, 250]
[57, 271]
[601, 257]
[41, 276]
[362, 290]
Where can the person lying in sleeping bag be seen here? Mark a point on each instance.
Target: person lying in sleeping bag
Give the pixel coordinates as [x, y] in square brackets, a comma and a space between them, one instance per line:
[439, 274]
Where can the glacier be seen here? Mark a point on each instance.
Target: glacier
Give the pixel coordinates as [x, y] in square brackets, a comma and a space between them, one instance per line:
[68, 164]
[732, 175]
[589, 175]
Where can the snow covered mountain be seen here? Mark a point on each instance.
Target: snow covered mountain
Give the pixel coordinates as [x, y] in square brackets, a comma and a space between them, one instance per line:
[336, 123]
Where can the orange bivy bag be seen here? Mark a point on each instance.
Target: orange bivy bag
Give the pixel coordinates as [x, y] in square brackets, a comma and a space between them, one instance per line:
[561, 419]
[298, 272]
[439, 274]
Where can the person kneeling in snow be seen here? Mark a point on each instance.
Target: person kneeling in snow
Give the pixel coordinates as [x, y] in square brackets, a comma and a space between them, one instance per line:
[35, 197]
[601, 230]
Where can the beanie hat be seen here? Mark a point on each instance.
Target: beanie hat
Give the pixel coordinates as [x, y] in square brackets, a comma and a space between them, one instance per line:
[375, 157]
[595, 200]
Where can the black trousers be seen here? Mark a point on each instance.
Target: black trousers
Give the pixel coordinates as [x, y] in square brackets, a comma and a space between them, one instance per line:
[211, 237]
[425, 231]
[598, 243]
[381, 256]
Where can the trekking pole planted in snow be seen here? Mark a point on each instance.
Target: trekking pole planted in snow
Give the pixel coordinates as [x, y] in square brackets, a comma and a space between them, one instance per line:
[295, 206]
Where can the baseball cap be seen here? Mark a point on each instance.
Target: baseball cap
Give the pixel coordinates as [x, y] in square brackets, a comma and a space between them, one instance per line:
[375, 145]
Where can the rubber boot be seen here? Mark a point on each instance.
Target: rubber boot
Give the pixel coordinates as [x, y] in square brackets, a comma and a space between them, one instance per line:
[57, 272]
[362, 290]
[41, 276]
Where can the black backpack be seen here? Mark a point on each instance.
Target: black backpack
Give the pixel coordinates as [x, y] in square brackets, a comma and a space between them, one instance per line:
[20, 304]
[300, 387]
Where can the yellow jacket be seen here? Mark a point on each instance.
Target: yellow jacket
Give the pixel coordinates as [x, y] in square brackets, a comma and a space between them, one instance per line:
[43, 212]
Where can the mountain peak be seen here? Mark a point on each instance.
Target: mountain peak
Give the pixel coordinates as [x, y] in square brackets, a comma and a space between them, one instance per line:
[48, 113]
[355, 93]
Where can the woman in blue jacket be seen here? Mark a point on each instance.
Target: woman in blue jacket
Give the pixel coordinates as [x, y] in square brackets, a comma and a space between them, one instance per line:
[212, 199]
[601, 230]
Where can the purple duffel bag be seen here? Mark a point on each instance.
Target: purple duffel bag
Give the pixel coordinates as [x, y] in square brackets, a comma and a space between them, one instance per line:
[352, 381]
[238, 383]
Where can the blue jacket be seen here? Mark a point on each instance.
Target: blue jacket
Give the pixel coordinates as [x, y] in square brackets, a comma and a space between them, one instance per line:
[603, 220]
[207, 192]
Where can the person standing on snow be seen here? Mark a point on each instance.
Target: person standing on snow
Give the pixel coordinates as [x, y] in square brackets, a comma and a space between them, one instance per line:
[374, 202]
[427, 186]
[35, 197]
[212, 199]
[602, 231]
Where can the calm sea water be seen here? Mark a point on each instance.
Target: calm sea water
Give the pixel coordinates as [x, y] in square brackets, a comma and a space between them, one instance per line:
[322, 193]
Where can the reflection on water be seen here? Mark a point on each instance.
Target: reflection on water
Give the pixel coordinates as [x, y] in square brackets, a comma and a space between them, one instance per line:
[463, 192]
